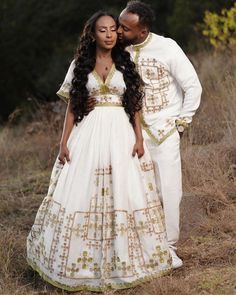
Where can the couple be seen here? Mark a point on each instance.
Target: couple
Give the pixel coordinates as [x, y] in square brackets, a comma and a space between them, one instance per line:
[102, 224]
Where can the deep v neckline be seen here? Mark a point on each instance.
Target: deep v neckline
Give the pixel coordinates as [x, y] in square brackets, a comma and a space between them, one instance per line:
[108, 77]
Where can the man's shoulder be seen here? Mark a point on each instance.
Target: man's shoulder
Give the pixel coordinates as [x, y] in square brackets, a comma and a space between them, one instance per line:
[163, 41]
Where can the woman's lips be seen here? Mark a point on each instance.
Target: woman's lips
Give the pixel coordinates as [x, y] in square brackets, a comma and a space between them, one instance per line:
[109, 42]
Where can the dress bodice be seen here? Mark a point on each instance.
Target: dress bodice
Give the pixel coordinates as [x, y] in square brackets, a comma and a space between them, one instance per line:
[109, 92]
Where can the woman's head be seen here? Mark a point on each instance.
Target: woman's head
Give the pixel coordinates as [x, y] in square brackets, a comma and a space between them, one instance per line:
[100, 32]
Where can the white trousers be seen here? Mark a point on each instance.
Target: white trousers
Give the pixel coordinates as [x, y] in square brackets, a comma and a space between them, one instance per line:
[167, 165]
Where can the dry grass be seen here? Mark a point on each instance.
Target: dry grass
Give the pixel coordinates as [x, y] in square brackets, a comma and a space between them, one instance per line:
[208, 236]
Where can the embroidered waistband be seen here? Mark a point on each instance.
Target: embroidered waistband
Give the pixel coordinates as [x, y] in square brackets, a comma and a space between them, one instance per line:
[109, 104]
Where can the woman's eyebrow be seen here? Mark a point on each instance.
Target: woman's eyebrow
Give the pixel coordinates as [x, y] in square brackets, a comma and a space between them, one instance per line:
[107, 26]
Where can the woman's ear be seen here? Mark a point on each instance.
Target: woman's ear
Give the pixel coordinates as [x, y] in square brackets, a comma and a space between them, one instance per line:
[92, 38]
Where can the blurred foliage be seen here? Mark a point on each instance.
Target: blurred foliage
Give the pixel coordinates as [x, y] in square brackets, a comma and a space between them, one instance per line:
[38, 39]
[220, 29]
[184, 17]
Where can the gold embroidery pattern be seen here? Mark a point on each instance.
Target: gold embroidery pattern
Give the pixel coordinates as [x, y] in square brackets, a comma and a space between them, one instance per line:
[109, 100]
[162, 135]
[113, 90]
[64, 92]
[182, 122]
[156, 78]
[157, 85]
[83, 287]
[156, 90]
[104, 86]
[98, 231]
[147, 166]
[106, 94]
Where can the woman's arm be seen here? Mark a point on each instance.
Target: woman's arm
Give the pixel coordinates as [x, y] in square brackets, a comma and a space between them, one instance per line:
[138, 147]
[68, 125]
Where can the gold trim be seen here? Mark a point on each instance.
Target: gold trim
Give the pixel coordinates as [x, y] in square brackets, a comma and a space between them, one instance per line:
[182, 122]
[137, 48]
[63, 95]
[108, 104]
[108, 78]
[97, 289]
[152, 136]
[144, 43]
[136, 57]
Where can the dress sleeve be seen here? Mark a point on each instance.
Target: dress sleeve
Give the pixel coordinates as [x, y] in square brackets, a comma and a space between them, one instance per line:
[64, 91]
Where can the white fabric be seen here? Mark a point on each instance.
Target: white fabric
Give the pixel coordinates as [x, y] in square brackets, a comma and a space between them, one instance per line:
[172, 93]
[167, 166]
[101, 223]
[172, 87]
[64, 90]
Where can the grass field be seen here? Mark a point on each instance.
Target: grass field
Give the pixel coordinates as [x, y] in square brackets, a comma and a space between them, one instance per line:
[208, 223]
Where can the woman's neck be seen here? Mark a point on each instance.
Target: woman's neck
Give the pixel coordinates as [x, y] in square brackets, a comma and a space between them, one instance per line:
[103, 53]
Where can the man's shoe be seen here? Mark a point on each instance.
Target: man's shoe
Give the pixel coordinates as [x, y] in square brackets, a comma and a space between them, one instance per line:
[176, 261]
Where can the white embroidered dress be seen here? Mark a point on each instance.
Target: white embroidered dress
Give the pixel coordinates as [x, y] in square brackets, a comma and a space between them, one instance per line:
[101, 223]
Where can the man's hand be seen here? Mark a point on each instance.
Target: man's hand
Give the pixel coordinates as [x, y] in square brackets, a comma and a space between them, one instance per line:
[90, 105]
[180, 134]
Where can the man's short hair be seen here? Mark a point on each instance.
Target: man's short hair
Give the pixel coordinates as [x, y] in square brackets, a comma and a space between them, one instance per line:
[143, 10]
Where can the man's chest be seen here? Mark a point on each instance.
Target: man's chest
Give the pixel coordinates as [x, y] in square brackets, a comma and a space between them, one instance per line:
[157, 81]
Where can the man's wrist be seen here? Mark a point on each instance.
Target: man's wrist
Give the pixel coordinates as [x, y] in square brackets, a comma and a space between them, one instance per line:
[181, 125]
[180, 128]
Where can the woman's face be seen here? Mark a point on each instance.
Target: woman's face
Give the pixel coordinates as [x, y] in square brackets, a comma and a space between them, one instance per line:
[105, 32]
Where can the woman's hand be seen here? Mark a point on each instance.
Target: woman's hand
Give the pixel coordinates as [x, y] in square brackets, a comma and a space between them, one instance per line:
[63, 154]
[138, 149]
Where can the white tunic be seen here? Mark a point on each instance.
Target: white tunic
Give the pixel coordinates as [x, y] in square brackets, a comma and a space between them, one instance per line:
[172, 88]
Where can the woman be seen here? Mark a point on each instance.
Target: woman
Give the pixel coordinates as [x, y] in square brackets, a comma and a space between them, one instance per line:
[101, 224]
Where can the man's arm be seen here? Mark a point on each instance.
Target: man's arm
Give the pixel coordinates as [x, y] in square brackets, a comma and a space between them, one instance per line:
[186, 76]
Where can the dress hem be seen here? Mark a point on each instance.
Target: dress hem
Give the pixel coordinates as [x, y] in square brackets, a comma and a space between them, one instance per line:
[98, 289]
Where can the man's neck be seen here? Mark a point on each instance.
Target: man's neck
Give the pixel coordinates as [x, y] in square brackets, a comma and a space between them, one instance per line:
[141, 40]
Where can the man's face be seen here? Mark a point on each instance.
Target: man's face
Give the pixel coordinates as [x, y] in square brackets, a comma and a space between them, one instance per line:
[130, 31]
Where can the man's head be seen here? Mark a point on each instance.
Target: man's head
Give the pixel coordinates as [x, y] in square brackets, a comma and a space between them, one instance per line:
[135, 22]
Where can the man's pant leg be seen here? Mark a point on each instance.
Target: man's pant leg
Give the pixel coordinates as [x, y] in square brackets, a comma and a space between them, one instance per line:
[167, 165]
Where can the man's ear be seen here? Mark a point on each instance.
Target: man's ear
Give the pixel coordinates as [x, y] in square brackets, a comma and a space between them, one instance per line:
[144, 32]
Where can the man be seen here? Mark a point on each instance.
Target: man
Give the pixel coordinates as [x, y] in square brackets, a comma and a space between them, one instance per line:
[172, 96]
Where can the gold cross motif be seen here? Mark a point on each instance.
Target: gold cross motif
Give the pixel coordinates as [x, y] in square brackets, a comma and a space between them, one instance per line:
[84, 260]
[159, 254]
[161, 132]
[73, 270]
[152, 263]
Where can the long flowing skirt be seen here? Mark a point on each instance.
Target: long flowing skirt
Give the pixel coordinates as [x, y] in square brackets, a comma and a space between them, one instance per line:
[101, 224]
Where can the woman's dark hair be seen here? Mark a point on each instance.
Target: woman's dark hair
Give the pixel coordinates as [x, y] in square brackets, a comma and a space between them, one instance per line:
[85, 60]
[144, 11]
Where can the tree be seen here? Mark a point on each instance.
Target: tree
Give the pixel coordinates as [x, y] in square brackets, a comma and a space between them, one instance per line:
[185, 14]
[220, 29]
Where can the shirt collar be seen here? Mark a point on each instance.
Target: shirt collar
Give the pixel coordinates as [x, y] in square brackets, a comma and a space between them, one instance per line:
[144, 43]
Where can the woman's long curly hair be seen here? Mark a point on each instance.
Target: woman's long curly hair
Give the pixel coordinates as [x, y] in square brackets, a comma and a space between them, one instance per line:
[85, 60]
